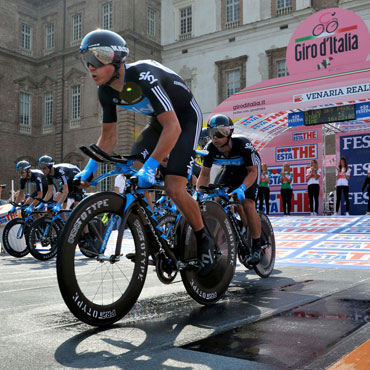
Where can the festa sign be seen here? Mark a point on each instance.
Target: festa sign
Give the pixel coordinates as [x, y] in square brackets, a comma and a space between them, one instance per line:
[331, 37]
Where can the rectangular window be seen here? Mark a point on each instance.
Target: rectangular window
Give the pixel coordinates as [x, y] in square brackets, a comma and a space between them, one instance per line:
[76, 27]
[151, 22]
[232, 11]
[75, 105]
[25, 120]
[185, 23]
[26, 37]
[105, 185]
[284, 7]
[232, 82]
[107, 16]
[49, 36]
[281, 69]
[48, 110]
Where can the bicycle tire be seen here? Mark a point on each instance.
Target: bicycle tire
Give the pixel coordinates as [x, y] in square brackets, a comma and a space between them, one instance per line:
[209, 289]
[15, 247]
[37, 229]
[265, 267]
[77, 274]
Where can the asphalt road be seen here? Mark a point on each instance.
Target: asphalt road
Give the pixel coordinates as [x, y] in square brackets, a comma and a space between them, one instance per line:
[38, 331]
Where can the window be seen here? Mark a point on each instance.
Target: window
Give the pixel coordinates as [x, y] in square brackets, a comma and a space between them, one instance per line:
[185, 23]
[281, 69]
[232, 11]
[284, 7]
[75, 105]
[151, 22]
[25, 120]
[26, 37]
[48, 111]
[107, 16]
[76, 28]
[232, 82]
[49, 36]
[105, 185]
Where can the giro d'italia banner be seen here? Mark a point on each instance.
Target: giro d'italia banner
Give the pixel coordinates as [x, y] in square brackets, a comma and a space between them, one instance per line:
[297, 147]
[356, 149]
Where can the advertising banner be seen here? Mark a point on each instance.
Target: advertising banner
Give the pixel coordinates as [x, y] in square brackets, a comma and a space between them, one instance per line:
[356, 149]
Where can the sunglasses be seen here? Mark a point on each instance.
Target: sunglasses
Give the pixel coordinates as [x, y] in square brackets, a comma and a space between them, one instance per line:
[219, 131]
[43, 166]
[97, 56]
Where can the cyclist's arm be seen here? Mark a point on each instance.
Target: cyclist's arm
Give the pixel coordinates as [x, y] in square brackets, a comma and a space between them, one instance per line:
[204, 177]
[64, 194]
[251, 177]
[19, 196]
[34, 201]
[169, 135]
[49, 193]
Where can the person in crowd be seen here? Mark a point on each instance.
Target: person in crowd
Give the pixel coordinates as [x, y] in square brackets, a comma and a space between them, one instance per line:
[33, 177]
[313, 186]
[120, 184]
[367, 184]
[149, 88]
[343, 173]
[264, 188]
[241, 172]
[286, 191]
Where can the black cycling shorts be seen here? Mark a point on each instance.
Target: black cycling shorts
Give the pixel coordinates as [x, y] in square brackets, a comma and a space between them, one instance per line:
[182, 155]
[232, 177]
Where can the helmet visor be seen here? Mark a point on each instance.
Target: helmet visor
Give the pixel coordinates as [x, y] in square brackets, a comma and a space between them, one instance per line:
[219, 131]
[44, 166]
[97, 56]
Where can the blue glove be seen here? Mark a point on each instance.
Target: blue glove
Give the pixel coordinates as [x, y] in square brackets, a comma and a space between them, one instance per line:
[240, 192]
[13, 209]
[40, 206]
[88, 171]
[146, 175]
[30, 209]
[57, 207]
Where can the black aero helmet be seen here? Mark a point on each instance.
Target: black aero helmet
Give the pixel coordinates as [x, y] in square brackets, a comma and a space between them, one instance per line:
[22, 166]
[220, 126]
[45, 162]
[102, 47]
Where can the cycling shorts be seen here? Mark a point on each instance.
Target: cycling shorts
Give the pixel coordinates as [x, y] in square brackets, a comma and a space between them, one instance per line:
[182, 155]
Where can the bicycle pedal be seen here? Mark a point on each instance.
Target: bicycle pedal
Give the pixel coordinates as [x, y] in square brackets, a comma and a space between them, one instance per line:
[131, 256]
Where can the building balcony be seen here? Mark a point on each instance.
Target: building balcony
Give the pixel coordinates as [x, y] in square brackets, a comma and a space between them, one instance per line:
[284, 11]
[185, 36]
[232, 24]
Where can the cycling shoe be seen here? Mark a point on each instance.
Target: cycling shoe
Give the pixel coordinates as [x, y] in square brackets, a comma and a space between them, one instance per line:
[255, 256]
[206, 255]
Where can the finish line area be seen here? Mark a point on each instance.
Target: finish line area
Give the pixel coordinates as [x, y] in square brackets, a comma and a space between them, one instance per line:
[322, 241]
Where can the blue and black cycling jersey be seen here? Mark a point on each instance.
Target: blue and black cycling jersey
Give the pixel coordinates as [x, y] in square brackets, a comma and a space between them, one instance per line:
[37, 178]
[63, 175]
[149, 88]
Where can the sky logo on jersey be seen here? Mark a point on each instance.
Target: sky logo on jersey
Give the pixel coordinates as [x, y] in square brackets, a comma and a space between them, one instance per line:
[229, 162]
[143, 107]
[296, 153]
[147, 76]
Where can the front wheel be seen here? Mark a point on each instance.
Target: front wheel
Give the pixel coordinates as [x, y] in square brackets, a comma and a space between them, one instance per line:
[14, 238]
[99, 290]
[209, 289]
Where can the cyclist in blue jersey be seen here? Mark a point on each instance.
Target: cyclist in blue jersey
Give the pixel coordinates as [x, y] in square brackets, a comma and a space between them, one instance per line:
[240, 173]
[33, 177]
[149, 88]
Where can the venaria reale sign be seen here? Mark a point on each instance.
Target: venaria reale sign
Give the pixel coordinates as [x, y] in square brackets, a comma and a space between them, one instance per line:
[328, 38]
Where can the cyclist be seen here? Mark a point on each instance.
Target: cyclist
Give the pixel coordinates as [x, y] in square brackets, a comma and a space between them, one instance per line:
[61, 176]
[240, 173]
[149, 88]
[33, 177]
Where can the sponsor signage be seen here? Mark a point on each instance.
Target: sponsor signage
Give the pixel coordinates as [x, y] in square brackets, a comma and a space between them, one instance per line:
[305, 135]
[362, 110]
[295, 153]
[295, 119]
[328, 38]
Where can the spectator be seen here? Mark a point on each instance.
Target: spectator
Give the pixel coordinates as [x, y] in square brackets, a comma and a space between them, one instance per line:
[286, 178]
[367, 183]
[120, 184]
[312, 177]
[343, 174]
[264, 188]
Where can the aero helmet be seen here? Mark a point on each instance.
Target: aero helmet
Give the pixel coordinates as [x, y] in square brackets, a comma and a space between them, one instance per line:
[102, 47]
[220, 126]
[46, 162]
[22, 166]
